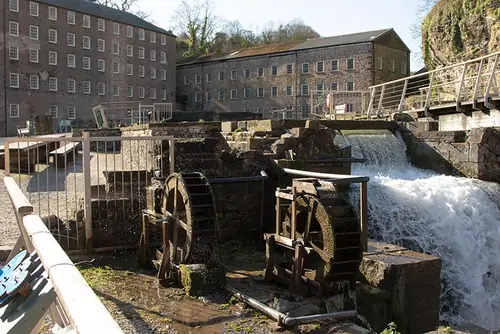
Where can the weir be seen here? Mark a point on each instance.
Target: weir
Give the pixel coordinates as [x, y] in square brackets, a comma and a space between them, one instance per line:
[454, 218]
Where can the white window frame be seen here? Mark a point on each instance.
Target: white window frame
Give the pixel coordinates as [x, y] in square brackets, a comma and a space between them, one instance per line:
[115, 90]
[142, 92]
[259, 90]
[116, 28]
[101, 65]
[163, 96]
[353, 86]
[197, 97]
[336, 86]
[101, 45]
[392, 68]
[404, 70]
[233, 94]
[142, 34]
[291, 68]
[101, 25]
[71, 59]
[208, 96]
[274, 67]
[116, 67]
[130, 69]
[259, 70]
[53, 55]
[130, 50]
[86, 21]
[52, 84]
[141, 71]
[34, 9]
[34, 32]
[208, 77]
[289, 90]
[13, 28]
[53, 33]
[274, 91]
[71, 17]
[71, 112]
[130, 31]
[322, 69]
[353, 64]
[304, 90]
[380, 63]
[335, 68]
[152, 73]
[116, 48]
[234, 75]
[163, 57]
[34, 82]
[221, 76]
[54, 111]
[163, 39]
[152, 37]
[87, 84]
[14, 107]
[71, 85]
[86, 42]
[52, 13]
[246, 110]
[34, 56]
[101, 88]
[163, 74]
[305, 68]
[152, 93]
[246, 73]
[86, 61]
[152, 54]
[13, 52]
[130, 91]
[197, 78]
[70, 39]
[14, 6]
[246, 93]
[141, 53]
[220, 95]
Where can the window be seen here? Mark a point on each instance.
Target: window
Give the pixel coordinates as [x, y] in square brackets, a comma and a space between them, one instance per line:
[116, 67]
[142, 92]
[234, 74]
[152, 55]
[33, 32]
[152, 73]
[350, 63]
[320, 66]
[14, 110]
[163, 74]
[141, 34]
[197, 78]
[13, 53]
[403, 68]
[71, 112]
[52, 58]
[34, 9]
[304, 110]
[186, 80]
[86, 87]
[260, 92]
[221, 76]
[393, 66]
[350, 85]
[305, 68]
[116, 90]
[14, 28]
[71, 60]
[152, 93]
[101, 88]
[304, 90]
[54, 111]
[380, 63]
[260, 110]
[289, 90]
[274, 70]
[71, 85]
[335, 65]
[14, 80]
[334, 86]
[101, 45]
[86, 63]
[141, 53]
[260, 71]
[130, 69]
[163, 39]
[71, 17]
[33, 55]
[163, 57]
[349, 107]
[86, 21]
[246, 73]
[220, 95]
[234, 94]
[34, 81]
[71, 39]
[163, 94]
[130, 51]
[289, 68]
[246, 93]
[53, 13]
[152, 37]
[101, 25]
[209, 77]
[319, 87]
[86, 42]
[141, 71]
[14, 6]
[130, 32]
[274, 91]
[208, 96]
[116, 48]
[53, 84]
[116, 28]
[130, 91]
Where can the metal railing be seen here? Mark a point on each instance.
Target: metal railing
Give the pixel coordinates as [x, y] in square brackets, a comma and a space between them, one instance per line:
[451, 86]
[76, 307]
[98, 186]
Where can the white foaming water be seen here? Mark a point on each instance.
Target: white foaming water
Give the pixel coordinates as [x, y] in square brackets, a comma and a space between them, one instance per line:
[457, 219]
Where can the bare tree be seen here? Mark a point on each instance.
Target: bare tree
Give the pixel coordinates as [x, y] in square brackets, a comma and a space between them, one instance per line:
[422, 10]
[197, 24]
[124, 5]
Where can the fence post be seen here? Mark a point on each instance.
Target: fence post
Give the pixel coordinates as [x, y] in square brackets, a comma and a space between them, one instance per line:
[7, 156]
[87, 195]
[402, 100]
[490, 82]
[460, 87]
[479, 80]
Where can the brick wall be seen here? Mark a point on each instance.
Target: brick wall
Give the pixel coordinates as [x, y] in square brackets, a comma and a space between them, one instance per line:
[3, 78]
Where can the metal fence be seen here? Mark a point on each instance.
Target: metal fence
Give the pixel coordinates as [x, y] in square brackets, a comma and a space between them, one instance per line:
[80, 185]
[471, 82]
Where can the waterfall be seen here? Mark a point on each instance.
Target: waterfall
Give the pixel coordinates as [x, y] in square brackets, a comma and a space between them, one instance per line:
[457, 219]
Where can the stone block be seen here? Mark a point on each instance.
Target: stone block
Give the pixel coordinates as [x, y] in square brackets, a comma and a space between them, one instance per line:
[260, 143]
[312, 124]
[298, 132]
[242, 125]
[229, 126]
[200, 279]
[413, 281]
[263, 125]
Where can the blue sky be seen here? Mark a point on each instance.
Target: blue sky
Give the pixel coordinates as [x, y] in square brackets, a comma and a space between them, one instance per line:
[327, 17]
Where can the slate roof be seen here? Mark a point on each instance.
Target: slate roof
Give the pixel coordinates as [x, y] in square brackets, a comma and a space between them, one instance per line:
[105, 12]
[356, 38]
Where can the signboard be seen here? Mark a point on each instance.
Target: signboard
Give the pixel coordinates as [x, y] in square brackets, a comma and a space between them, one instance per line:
[340, 109]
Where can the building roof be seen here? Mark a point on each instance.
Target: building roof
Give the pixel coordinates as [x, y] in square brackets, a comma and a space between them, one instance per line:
[105, 12]
[313, 43]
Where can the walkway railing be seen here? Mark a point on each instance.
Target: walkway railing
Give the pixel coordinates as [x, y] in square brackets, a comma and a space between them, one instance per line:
[76, 308]
[469, 82]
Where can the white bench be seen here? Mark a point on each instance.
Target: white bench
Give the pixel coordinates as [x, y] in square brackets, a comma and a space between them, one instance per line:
[64, 154]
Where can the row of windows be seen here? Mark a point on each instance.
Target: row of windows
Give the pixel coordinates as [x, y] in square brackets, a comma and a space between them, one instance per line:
[320, 68]
[53, 86]
[274, 91]
[14, 111]
[392, 65]
[304, 110]
[34, 11]
[86, 43]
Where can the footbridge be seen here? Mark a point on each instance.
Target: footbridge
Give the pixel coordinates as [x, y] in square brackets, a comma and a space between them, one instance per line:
[466, 93]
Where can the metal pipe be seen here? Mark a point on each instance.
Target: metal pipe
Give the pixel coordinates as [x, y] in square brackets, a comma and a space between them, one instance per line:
[276, 315]
[263, 176]
[342, 315]
[333, 177]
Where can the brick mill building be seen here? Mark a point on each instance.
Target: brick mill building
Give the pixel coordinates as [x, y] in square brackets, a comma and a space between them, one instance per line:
[62, 57]
[294, 76]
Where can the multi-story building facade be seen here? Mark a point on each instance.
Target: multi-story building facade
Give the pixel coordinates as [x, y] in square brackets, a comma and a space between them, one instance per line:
[62, 57]
[294, 76]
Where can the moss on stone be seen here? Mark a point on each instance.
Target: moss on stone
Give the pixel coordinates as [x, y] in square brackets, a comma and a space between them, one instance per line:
[200, 279]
